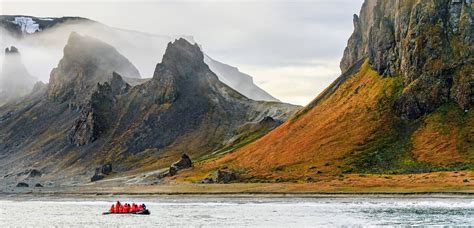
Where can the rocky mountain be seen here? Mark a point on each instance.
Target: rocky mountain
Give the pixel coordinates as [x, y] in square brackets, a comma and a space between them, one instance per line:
[15, 80]
[88, 115]
[48, 36]
[427, 43]
[402, 105]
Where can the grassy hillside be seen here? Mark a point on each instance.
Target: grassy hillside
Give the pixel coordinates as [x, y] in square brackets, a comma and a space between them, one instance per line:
[352, 129]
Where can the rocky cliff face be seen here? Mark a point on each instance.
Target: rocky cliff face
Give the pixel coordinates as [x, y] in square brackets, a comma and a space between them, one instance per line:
[399, 107]
[15, 80]
[96, 117]
[86, 62]
[89, 115]
[184, 101]
[427, 43]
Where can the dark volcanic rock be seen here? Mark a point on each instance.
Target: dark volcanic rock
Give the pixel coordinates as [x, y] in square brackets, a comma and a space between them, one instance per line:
[106, 169]
[30, 173]
[38, 185]
[184, 163]
[35, 173]
[96, 117]
[97, 177]
[427, 43]
[207, 180]
[22, 185]
[101, 172]
[225, 177]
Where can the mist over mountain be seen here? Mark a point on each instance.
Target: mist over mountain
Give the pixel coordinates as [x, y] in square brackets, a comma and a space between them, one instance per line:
[143, 49]
[15, 80]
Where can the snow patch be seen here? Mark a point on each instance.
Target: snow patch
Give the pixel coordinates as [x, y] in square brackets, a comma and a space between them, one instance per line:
[46, 19]
[27, 24]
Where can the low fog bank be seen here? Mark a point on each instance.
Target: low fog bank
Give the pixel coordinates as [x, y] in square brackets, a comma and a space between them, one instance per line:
[42, 51]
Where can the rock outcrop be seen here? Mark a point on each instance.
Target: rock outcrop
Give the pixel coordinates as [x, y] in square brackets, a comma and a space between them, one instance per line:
[96, 115]
[225, 177]
[86, 62]
[35, 173]
[220, 177]
[184, 163]
[427, 43]
[97, 177]
[101, 172]
[22, 185]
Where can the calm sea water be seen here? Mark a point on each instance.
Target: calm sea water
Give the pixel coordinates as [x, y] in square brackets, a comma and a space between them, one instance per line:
[205, 211]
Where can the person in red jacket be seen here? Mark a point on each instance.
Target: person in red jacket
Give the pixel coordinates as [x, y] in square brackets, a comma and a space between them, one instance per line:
[134, 207]
[117, 207]
[112, 209]
[140, 208]
[127, 208]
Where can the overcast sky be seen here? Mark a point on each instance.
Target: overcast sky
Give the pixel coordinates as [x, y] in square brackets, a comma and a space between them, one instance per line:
[292, 48]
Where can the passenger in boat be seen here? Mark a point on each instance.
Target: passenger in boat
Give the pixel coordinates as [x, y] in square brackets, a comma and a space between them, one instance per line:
[127, 208]
[117, 206]
[143, 206]
[134, 208]
[112, 209]
[140, 207]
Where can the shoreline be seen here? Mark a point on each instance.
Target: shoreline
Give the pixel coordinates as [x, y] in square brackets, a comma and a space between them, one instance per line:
[240, 194]
[245, 190]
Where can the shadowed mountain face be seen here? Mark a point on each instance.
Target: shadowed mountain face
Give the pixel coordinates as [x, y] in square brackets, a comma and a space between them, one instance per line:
[402, 104]
[89, 115]
[15, 81]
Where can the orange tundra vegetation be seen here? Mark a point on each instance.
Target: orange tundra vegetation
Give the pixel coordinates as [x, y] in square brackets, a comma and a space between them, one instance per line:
[330, 135]
[316, 140]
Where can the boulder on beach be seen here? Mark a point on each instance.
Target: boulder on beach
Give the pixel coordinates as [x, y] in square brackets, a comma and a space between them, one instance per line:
[101, 172]
[22, 185]
[97, 177]
[225, 176]
[184, 163]
[35, 173]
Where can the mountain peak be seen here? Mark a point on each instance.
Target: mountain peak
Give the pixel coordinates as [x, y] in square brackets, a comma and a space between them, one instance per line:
[86, 62]
[11, 50]
[183, 55]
